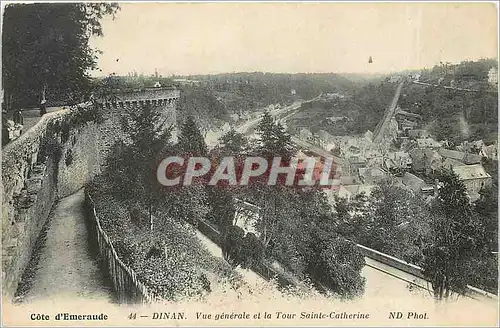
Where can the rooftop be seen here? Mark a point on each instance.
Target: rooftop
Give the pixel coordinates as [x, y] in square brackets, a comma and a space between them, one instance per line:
[466, 158]
[468, 172]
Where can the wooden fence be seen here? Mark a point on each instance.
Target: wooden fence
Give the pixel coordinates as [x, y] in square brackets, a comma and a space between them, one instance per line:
[128, 288]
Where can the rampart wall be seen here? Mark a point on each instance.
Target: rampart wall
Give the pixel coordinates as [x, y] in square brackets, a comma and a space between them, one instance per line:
[54, 159]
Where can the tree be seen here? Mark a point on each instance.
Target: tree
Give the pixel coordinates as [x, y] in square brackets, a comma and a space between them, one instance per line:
[46, 49]
[232, 245]
[233, 142]
[487, 207]
[274, 141]
[190, 139]
[134, 164]
[222, 209]
[337, 263]
[397, 220]
[455, 236]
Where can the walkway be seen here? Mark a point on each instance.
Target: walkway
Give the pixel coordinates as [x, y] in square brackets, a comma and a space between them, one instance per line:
[66, 270]
[252, 278]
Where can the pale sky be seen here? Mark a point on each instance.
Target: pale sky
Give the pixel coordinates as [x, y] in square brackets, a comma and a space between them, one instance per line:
[190, 38]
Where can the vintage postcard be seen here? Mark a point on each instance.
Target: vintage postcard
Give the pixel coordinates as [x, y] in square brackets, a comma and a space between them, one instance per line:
[249, 164]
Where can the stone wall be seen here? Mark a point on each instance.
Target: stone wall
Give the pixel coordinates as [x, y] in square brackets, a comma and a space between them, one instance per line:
[28, 192]
[33, 179]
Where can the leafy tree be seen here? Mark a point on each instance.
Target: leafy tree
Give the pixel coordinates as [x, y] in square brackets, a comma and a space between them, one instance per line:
[487, 207]
[190, 139]
[134, 164]
[46, 49]
[232, 245]
[398, 218]
[222, 209]
[337, 263]
[274, 141]
[233, 142]
[455, 236]
[187, 203]
[252, 251]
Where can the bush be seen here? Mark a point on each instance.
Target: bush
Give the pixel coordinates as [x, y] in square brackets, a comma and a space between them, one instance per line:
[232, 245]
[336, 263]
[252, 251]
[170, 260]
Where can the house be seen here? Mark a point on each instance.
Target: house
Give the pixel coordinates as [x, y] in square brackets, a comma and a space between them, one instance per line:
[413, 182]
[493, 76]
[351, 191]
[305, 134]
[451, 163]
[246, 216]
[401, 159]
[335, 119]
[466, 158]
[356, 162]
[418, 134]
[425, 160]
[349, 180]
[407, 125]
[491, 152]
[394, 79]
[368, 135]
[427, 143]
[474, 178]
[325, 136]
[371, 175]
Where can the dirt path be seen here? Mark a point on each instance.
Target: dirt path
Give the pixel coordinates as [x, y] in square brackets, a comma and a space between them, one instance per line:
[252, 278]
[66, 269]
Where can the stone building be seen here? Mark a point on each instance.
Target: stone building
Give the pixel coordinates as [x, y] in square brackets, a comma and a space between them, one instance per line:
[474, 178]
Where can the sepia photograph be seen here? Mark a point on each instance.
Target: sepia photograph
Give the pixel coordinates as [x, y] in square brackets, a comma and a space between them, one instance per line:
[241, 163]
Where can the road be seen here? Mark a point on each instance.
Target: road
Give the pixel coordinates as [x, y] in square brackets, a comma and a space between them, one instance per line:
[67, 270]
[245, 127]
[388, 114]
[450, 88]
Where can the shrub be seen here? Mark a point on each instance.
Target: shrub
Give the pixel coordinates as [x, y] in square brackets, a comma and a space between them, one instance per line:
[252, 251]
[232, 245]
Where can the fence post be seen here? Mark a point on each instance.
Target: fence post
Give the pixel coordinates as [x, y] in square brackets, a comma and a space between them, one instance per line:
[125, 283]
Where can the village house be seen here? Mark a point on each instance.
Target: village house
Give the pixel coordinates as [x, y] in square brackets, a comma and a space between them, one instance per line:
[428, 143]
[425, 160]
[491, 152]
[356, 162]
[480, 148]
[466, 158]
[451, 163]
[371, 175]
[474, 178]
[401, 159]
[418, 134]
[413, 183]
[493, 76]
[350, 180]
[350, 191]
[417, 185]
[305, 134]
